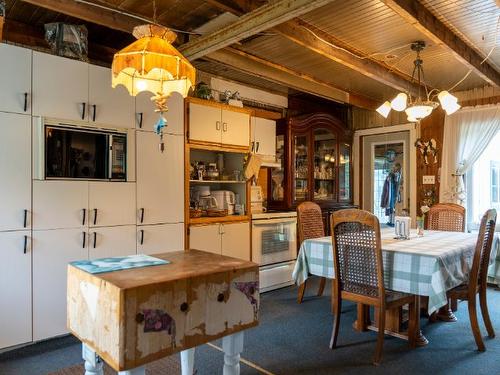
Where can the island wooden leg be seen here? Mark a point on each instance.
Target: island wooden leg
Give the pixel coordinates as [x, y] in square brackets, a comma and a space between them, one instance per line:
[232, 346]
[93, 363]
[187, 361]
[136, 371]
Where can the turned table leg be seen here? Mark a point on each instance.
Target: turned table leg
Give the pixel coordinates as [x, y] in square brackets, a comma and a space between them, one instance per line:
[232, 346]
[93, 363]
[187, 361]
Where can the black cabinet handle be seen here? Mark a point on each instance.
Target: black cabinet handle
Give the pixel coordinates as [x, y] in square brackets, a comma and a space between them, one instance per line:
[142, 215]
[95, 216]
[84, 105]
[184, 307]
[25, 220]
[253, 146]
[258, 144]
[84, 215]
[220, 297]
[141, 241]
[84, 239]
[140, 119]
[25, 102]
[94, 108]
[25, 244]
[95, 239]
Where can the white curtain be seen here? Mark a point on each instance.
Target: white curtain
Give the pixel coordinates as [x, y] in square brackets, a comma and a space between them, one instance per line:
[467, 133]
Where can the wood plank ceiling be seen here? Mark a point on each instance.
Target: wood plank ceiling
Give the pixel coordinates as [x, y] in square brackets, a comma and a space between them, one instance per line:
[362, 58]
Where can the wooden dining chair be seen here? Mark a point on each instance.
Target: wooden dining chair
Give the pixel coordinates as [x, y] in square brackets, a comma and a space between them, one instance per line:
[448, 217]
[359, 273]
[309, 225]
[478, 279]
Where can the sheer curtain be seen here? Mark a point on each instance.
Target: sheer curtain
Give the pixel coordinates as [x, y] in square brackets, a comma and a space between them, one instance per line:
[466, 134]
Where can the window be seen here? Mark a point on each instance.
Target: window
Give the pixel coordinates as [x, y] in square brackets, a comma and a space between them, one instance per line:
[483, 184]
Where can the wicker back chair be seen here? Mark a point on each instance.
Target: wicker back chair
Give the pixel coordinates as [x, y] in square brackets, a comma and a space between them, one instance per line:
[478, 278]
[446, 216]
[359, 273]
[309, 225]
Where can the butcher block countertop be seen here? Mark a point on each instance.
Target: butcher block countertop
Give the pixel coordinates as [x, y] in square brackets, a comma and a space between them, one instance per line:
[136, 316]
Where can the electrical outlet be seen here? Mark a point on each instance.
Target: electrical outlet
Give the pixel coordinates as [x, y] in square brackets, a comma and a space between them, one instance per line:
[428, 180]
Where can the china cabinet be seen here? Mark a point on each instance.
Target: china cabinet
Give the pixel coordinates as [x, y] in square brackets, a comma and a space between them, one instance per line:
[315, 154]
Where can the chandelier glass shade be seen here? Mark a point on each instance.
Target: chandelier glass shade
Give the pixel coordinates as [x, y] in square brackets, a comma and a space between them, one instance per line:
[420, 105]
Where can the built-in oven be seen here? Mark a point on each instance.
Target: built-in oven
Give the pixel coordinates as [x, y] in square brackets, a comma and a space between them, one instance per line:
[83, 153]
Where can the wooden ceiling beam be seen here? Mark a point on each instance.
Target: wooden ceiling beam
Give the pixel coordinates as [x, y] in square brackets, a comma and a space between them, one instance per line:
[282, 75]
[259, 19]
[428, 24]
[89, 13]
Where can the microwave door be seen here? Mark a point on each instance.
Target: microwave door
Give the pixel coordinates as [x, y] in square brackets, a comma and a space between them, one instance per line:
[117, 157]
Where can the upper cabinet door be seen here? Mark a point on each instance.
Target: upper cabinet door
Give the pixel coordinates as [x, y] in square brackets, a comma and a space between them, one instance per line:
[15, 288]
[111, 203]
[264, 137]
[205, 123]
[15, 171]
[60, 204]
[235, 128]
[60, 87]
[107, 105]
[236, 240]
[160, 179]
[15, 79]
[146, 117]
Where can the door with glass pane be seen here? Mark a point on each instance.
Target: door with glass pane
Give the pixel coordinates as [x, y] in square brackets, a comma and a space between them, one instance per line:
[324, 162]
[301, 167]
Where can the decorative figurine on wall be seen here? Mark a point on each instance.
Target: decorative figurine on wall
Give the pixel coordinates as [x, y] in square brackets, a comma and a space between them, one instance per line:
[427, 149]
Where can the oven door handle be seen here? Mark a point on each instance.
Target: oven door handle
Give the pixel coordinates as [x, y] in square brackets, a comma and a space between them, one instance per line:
[273, 221]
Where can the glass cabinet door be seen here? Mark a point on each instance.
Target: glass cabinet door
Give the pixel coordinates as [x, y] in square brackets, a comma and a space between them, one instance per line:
[345, 172]
[324, 164]
[301, 166]
[278, 174]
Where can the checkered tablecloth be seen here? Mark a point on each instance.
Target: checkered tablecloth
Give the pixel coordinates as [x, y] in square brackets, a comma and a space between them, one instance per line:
[427, 266]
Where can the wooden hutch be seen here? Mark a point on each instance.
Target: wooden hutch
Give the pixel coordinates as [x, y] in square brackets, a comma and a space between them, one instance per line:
[315, 155]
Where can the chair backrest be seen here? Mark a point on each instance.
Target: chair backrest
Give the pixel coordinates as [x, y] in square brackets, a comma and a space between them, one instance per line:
[446, 216]
[357, 253]
[309, 221]
[480, 262]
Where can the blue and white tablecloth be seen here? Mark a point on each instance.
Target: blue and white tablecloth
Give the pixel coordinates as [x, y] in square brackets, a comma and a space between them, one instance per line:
[426, 266]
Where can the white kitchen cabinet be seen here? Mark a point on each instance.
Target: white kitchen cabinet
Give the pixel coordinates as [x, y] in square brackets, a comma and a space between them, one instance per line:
[111, 203]
[206, 238]
[155, 239]
[15, 171]
[205, 123]
[60, 87]
[146, 117]
[235, 128]
[236, 240]
[112, 241]
[264, 137]
[230, 239]
[160, 179]
[15, 79]
[60, 204]
[52, 251]
[15, 288]
[108, 105]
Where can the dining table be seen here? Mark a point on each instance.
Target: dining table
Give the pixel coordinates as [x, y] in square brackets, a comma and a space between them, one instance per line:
[425, 265]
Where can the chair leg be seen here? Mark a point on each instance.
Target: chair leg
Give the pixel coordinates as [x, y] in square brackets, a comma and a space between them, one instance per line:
[380, 339]
[321, 288]
[485, 313]
[474, 324]
[454, 304]
[412, 324]
[301, 291]
[337, 306]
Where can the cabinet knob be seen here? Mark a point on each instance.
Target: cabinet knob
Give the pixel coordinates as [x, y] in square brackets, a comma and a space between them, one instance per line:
[217, 125]
[224, 126]
[184, 307]
[139, 318]
[220, 297]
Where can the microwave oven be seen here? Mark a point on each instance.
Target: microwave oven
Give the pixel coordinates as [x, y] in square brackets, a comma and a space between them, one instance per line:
[81, 153]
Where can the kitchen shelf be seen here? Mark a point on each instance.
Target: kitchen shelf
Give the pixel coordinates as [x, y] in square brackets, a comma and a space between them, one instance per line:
[221, 219]
[217, 182]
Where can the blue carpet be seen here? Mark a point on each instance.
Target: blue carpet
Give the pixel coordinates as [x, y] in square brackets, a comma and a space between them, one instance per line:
[293, 339]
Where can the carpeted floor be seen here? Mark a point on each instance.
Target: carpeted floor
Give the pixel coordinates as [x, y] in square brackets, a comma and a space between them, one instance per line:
[293, 339]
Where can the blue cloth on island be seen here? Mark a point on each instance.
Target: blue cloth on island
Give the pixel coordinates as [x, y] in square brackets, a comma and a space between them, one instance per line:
[102, 265]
